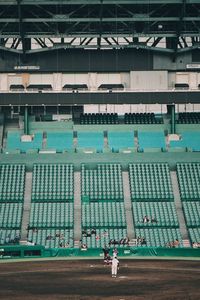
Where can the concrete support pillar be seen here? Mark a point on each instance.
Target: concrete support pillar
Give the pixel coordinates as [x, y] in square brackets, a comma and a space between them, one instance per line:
[26, 127]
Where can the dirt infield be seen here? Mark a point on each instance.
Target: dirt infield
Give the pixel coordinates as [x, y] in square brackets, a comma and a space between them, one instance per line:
[90, 279]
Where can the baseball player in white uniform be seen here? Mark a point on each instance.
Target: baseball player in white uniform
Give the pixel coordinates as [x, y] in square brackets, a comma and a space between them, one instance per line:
[115, 266]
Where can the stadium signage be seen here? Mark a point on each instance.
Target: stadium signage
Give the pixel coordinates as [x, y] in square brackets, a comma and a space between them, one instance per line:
[193, 66]
[26, 67]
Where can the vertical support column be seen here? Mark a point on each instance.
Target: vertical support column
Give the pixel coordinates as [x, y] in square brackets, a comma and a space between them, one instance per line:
[173, 120]
[171, 112]
[26, 129]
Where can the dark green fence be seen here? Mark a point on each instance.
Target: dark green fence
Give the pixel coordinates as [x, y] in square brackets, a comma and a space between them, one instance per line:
[7, 252]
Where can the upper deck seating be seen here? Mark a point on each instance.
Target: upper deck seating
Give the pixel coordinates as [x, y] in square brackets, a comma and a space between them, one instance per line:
[151, 140]
[120, 140]
[14, 142]
[142, 118]
[60, 140]
[91, 140]
[189, 118]
[98, 118]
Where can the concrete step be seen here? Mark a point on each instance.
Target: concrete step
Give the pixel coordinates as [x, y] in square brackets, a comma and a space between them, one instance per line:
[27, 205]
[77, 206]
[186, 244]
[128, 206]
[178, 204]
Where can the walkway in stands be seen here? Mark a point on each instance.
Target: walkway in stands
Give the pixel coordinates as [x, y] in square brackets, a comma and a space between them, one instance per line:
[77, 207]
[178, 205]
[128, 207]
[27, 205]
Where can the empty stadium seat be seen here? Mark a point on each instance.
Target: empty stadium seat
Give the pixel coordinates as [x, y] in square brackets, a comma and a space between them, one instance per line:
[53, 182]
[103, 215]
[102, 183]
[150, 182]
[12, 179]
[188, 179]
[53, 215]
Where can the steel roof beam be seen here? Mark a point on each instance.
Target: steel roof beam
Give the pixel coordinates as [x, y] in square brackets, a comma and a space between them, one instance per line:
[95, 2]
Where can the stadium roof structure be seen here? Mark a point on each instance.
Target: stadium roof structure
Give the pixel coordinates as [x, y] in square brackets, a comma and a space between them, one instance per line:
[31, 26]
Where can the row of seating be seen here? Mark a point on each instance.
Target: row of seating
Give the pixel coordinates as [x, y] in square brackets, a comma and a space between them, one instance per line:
[53, 215]
[12, 182]
[159, 237]
[99, 118]
[9, 236]
[154, 214]
[188, 178]
[141, 118]
[102, 183]
[112, 118]
[150, 182]
[192, 213]
[53, 182]
[52, 238]
[194, 234]
[103, 214]
[10, 215]
[189, 118]
[104, 236]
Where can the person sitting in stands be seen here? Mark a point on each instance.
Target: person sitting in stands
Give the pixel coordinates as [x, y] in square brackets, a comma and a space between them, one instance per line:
[83, 247]
[30, 243]
[145, 219]
[126, 241]
[176, 243]
[16, 239]
[84, 232]
[97, 237]
[105, 233]
[49, 237]
[66, 245]
[93, 231]
[111, 242]
[88, 233]
[138, 241]
[121, 242]
[61, 244]
[153, 220]
[143, 241]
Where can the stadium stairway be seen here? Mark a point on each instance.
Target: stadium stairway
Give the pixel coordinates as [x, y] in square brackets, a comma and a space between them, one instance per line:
[77, 208]
[128, 206]
[27, 205]
[178, 205]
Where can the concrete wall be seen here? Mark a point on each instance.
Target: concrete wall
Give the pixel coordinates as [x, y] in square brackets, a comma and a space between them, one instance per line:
[134, 80]
[149, 80]
[162, 61]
